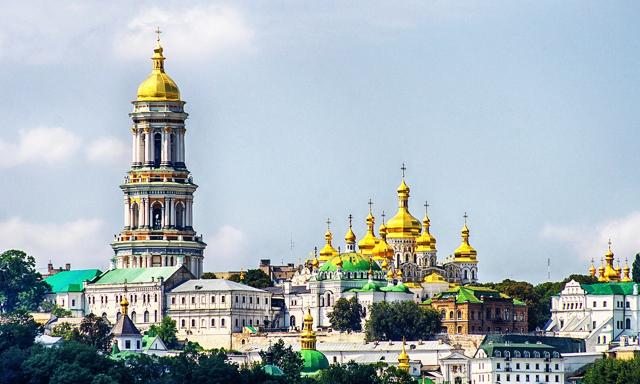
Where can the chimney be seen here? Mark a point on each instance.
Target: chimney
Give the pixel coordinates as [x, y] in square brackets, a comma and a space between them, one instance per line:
[67, 267]
[50, 267]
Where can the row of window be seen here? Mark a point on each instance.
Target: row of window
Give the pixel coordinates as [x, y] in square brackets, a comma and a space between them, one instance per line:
[133, 298]
[526, 378]
[507, 315]
[527, 366]
[223, 299]
[526, 354]
[204, 323]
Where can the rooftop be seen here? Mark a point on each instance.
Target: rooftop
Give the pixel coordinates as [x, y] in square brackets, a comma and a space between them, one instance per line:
[213, 285]
[136, 275]
[71, 281]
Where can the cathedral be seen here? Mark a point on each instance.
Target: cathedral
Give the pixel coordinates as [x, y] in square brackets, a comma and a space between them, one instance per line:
[405, 248]
[158, 189]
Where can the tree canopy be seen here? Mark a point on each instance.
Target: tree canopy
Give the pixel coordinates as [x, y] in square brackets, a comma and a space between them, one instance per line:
[346, 315]
[285, 358]
[635, 269]
[167, 331]
[395, 320]
[21, 287]
[254, 278]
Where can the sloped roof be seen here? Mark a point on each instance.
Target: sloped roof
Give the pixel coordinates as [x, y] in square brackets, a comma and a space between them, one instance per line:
[125, 327]
[71, 281]
[136, 275]
[605, 289]
[562, 344]
[213, 285]
[474, 295]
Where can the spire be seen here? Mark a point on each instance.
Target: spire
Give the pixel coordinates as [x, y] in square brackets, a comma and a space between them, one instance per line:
[403, 225]
[158, 58]
[611, 273]
[403, 357]
[308, 336]
[315, 262]
[124, 303]
[350, 237]
[592, 269]
[158, 86]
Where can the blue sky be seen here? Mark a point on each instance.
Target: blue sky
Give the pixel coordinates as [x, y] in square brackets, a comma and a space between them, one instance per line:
[521, 113]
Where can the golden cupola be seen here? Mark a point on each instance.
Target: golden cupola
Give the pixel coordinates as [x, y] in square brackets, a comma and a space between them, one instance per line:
[425, 242]
[158, 86]
[350, 238]
[592, 269]
[610, 272]
[465, 252]
[307, 336]
[328, 252]
[369, 241]
[601, 276]
[403, 224]
[403, 358]
[626, 272]
[382, 251]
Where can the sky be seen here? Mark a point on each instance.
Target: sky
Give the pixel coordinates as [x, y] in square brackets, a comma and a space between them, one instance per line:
[521, 113]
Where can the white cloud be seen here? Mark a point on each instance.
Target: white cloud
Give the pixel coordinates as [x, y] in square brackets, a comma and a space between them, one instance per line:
[80, 242]
[43, 145]
[591, 242]
[107, 150]
[191, 33]
[226, 249]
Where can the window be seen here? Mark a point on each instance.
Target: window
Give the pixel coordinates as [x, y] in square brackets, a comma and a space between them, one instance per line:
[213, 299]
[594, 304]
[213, 322]
[451, 314]
[557, 366]
[155, 298]
[459, 315]
[593, 325]
[183, 300]
[145, 317]
[536, 355]
[516, 354]
[604, 304]
[133, 316]
[517, 364]
[498, 354]
[243, 299]
[526, 366]
[73, 302]
[127, 344]
[627, 304]
[236, 322]
[193, 323]
[173, 300]
[250, 300]
[193, 300]
[627, 323]
[258, 300]
[155, 316]
[555, 356]
[182, 323]
[557, 378]
[221, 299]
[236, 299]
[222, 322]
[527, 355]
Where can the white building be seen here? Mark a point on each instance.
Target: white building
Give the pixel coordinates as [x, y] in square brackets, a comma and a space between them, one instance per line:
[214, 307]
[67, 289]
[146, 289]
[517, 363]
[599, 313]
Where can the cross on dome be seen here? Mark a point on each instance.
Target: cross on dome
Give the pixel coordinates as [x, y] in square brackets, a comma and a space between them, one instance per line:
[350, 219]
[370, 204]
[426, 207]
[403, 168]
[158, 32]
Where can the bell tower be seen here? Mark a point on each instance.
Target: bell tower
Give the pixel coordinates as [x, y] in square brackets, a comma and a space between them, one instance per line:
[158, 189]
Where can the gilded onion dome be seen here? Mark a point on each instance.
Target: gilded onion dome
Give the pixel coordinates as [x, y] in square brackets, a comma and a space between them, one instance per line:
[158, 86]
[390, 274]
[626, 272]
[328, 252]
[425, 242]
[403, 224]
[313, 360]
[601, 276]
[369, 241]
[382, 250]
[592, 269]
[610, 272]
[403, 358]
[350, 237]
[465, 252]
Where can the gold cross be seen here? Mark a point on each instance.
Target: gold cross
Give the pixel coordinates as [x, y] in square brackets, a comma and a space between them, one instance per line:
[370, 205]
[158, 32]
[403, 168]
[426, 207]
[350, 218]
[465, 218]
[328, 223]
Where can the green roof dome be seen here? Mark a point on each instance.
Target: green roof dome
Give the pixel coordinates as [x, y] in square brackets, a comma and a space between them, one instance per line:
[314, 361]
[351, 262]
[396, 288]
[369, 287]
[272, 370]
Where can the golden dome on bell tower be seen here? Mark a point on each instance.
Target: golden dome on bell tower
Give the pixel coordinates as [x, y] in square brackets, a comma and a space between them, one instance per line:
[465, 252]
[158, 86]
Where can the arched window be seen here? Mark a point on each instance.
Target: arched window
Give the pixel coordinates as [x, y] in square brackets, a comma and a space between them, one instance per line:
[498, 354]
[527, 354]
[156, 215]
[627, 324]
[465, 275]
[133, 316]
[516, 354]
[104, 315]
[443, 314]
[547, 355]
[459, 315]
[135, 215]
[507, 354]
[556, 354]
[157, 149]
[179, 215]
[146, 317]
[182, 323]
[451, 314]
[292, 321]
[536, 355]
[155, 316]
[193, 323]
[213, 322]
[118, 316]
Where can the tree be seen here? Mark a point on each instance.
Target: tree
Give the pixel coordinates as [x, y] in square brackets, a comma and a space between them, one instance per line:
[66, 331]
[17, 329]
[635, 269]
[286, 359]
[21, 287]
[54, 309]
[208, 275]
[95, 331]
[347, 315]
[167, 331]
[254, 278]
[350, 373]
[393, 375]
[395, 320]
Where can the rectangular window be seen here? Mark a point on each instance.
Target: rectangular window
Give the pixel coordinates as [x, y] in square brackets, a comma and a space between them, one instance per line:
[250, 299]
[498, 365]
[236, 299]
[222, 322]
[604, 304]
[137, 344]
[127, 344]
[627, 304]
[557, 379]
[526, 366]
[222, 298]
[73, 302]
[594, 304]
[527, 378]
[517, 365]
[213, 299]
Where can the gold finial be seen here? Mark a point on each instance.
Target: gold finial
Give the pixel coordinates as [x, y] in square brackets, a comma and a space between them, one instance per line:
[403, 357]
[241, 275]
[158, 32]
[383, 216]
[350, 219]
[465, 217]
[403, 168]
[124, 303]
[426, 207]
[370, 205]
[328, 224]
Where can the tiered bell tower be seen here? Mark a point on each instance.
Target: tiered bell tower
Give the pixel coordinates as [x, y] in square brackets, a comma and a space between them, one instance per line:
[158, 189]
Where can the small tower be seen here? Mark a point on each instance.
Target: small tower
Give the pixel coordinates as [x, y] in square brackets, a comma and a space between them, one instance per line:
[314, 360]
[426, 243]
[382, 252]
[328, 252]
[350, 238]
[126, 336]
[592, 269]
[369, 240]
[403, 228]
[626, 271]
[403, 358]
[466, 257]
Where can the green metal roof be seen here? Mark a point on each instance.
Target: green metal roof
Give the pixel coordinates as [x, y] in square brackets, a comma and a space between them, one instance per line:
[490, 348]
[272, 370]
[607, 289]
[474, 295]
[351, 262]
[71, 281]
[314, 361]
[562, 344]
[136, 275]
[396, 288]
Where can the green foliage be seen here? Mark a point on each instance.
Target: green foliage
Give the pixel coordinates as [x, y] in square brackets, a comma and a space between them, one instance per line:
[66, 331]
[350, 373]
[635, 269]
[208, 275]
[286, 359]
[21, 287]
[17, 329]
[537, 298]
[167, 331]
[614, 372]
[346, 315]
[95, 331]
[254, 278]
[395, 320]
[393, 375]
[54, 309]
